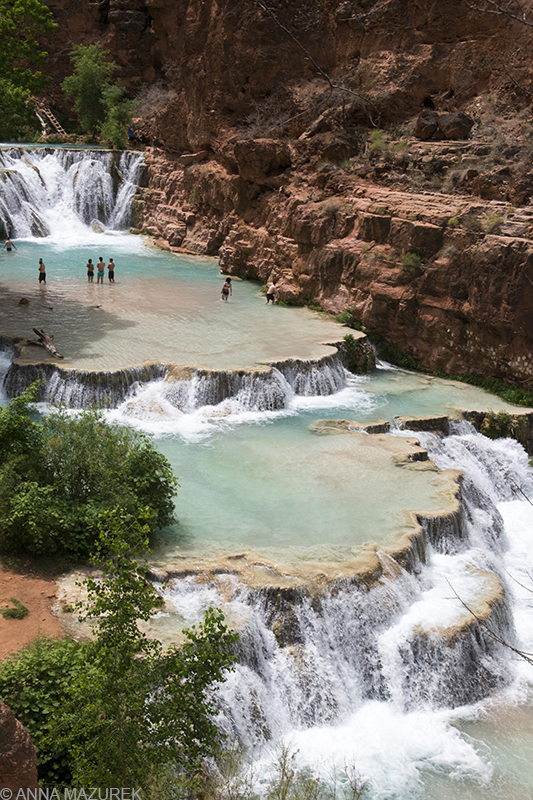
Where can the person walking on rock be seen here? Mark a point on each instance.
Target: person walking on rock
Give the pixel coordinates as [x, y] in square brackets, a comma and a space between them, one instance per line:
[100, 267]
[42, 271]
[111, 268]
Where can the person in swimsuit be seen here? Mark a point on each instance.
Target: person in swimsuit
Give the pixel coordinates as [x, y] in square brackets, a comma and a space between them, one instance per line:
[111, 268]
[90, 271]
[100, 267]
[42, 271]
[226, 289]
[8, 245]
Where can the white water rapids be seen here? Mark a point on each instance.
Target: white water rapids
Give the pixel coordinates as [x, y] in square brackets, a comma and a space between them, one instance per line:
[60, 192]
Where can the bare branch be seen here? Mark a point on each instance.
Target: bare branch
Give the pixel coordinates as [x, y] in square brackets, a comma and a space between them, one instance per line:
[526, 656]
[333, 86]
[374, 13]
[512, 9]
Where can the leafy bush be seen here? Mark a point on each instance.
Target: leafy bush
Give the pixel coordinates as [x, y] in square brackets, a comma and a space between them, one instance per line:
[501, 424]
[98, 102]
[411, 261]
[32, 684]
[140, 709]
[59, 477]
[118, 710]
[19, 612]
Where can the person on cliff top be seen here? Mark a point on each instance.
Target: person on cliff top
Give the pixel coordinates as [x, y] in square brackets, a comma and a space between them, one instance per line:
[271, 292]
[111, 269]
[226, 289]
[8, 245]
[42, 271]
[100, 270]
[90, 271]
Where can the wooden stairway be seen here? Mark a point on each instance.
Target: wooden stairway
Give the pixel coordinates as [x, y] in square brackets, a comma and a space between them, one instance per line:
[43, 110]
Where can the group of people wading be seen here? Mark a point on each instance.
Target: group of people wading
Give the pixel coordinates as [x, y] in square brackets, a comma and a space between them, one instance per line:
[100, 267]
[100, 270]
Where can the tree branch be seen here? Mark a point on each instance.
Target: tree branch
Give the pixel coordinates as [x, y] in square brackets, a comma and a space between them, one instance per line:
[332, 86]
[512, 9]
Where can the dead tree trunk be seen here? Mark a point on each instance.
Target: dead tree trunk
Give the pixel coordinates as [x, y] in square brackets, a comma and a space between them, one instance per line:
[45, 340]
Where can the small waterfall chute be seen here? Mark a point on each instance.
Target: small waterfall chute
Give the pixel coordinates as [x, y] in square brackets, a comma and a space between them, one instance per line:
[45, 192]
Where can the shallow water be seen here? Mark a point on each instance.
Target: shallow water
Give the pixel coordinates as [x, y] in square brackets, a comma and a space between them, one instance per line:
[161, 308]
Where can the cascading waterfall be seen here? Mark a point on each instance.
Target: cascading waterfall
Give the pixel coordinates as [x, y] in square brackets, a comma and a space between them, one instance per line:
[309, 661]
[142, 387]
[45, 191]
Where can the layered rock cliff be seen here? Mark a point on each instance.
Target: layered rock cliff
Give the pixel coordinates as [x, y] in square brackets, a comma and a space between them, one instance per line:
[286, 149]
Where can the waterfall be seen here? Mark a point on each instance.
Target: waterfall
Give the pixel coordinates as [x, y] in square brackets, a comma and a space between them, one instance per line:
[48, 192]
[317, 661]
[185, 389]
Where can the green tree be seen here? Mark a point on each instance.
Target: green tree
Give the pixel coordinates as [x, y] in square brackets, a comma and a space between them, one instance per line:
[21, 23]
[141, 711]
[59, 477]
[99, 103]
[33, 683]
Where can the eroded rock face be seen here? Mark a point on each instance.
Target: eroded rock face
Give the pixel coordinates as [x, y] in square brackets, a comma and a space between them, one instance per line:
[18, 760]
[441, 277]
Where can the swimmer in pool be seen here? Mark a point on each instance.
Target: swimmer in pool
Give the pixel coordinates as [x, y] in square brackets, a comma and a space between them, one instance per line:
[100, 267]
[226, 289]
[8, 245]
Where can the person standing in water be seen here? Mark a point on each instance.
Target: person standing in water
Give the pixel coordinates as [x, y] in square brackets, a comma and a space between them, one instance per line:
[111, 268]
[226, 289]
[90, 271]
[100, 270]
[271, 292]
[8, 245]
[42, 271]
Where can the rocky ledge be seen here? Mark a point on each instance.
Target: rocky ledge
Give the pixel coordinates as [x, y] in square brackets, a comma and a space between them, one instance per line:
[443, 277]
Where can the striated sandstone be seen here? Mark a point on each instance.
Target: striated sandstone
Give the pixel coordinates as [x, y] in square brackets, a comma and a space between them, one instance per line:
[466, 308]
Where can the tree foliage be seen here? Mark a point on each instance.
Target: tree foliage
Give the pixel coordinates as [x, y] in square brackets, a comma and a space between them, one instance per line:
[21, 23]
[100, 103]
[140, 710]
[33, 683]
[118, 710]
[60, 476]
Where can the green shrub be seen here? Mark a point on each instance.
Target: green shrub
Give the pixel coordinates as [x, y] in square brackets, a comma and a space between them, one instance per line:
[493, 222]
[411, 261]
[348, 318]
[501, 424]
[378, 140]
[59, 477]
[19, 612]
[32, 684]
[472, 223]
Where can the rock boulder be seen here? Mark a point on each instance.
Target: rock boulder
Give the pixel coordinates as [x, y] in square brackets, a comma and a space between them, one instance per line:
[18, 760]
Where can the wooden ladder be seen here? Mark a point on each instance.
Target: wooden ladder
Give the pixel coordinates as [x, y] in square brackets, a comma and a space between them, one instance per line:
[44, 109]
